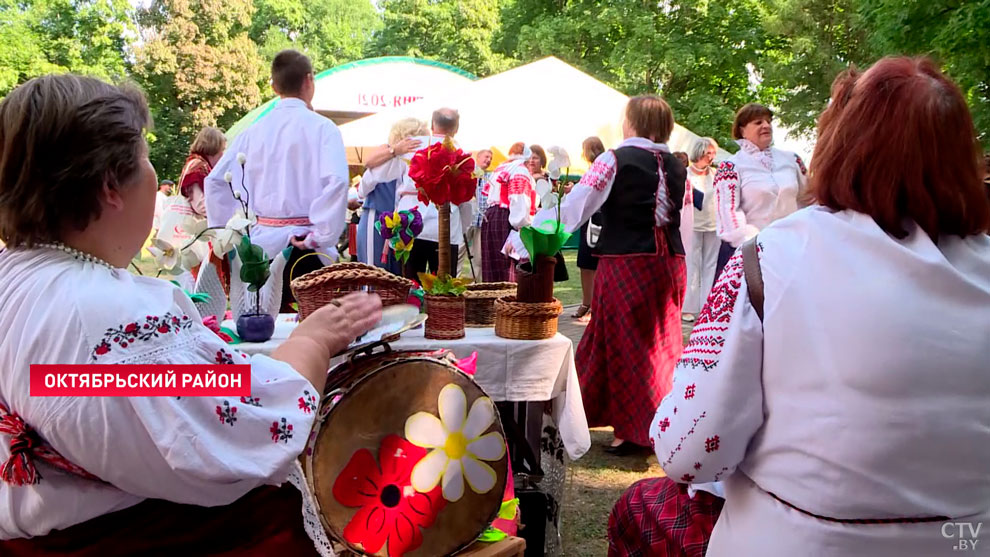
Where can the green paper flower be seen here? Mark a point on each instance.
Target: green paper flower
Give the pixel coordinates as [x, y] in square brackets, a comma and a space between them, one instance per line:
[545, 239]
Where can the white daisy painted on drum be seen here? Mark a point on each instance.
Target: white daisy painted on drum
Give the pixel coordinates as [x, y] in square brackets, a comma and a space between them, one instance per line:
[458, 446]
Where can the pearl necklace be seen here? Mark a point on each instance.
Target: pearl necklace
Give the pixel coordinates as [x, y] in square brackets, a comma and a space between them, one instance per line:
[83, 256]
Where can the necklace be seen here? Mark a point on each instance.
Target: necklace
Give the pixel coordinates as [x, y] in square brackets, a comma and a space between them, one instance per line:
[83, 256]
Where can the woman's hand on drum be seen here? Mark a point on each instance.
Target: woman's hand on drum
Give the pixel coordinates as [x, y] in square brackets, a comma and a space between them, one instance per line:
[326, 332]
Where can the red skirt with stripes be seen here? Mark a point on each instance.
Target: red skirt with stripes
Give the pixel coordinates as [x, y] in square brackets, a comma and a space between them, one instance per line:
[656, 517]
[626, 357]
[495, 231]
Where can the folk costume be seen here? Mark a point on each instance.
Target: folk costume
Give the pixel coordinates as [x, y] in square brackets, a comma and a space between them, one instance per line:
[512, 202]
[194, 174]
[378, 191]
[627, 354]
[702, 253]
[833, 443]
[753, 188]
[295, 179]
[130, 475]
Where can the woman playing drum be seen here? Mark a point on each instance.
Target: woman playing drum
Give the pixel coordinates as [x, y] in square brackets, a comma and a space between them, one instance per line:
[128, 475]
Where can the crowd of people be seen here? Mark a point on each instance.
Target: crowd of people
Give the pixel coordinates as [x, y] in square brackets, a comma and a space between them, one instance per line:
[832, 398]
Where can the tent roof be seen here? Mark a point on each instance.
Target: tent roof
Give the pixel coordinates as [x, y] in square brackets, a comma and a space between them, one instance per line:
[363, 87]
[546, 102]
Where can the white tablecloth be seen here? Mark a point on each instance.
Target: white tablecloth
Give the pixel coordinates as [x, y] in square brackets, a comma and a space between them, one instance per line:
[508, 370]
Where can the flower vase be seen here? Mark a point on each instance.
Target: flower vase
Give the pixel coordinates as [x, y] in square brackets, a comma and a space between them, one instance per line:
[445, 317]
[255, 327]
[535, 286]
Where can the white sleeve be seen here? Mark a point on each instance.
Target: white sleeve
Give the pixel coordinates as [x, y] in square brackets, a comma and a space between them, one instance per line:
[394, 169]
[220, 202]
[195, 450]
[587, 196]
[520, 201]
[730, 219]
[328, 212]
[702, 427]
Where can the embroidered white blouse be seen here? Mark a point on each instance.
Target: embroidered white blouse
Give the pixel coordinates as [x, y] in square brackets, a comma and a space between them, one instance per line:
[864, 394]
[296, 168]
[205, 451]
[754, 188]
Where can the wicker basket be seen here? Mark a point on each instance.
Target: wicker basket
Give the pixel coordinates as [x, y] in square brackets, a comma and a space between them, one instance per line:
[318, 288]
[479, 302]
[445, 317]
[526, 321]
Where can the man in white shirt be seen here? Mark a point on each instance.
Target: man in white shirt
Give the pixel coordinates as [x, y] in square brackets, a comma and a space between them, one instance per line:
[294, 176]
[425, 252]
[164, 190]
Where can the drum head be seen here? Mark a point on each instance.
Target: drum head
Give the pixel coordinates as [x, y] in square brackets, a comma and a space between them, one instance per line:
[410, 461]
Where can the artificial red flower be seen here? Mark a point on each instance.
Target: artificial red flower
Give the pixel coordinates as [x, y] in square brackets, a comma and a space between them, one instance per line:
[390, 509]
[443, 173]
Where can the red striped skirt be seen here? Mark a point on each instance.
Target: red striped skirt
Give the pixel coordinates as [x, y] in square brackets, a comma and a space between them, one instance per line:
[656, 517]
[626, 357]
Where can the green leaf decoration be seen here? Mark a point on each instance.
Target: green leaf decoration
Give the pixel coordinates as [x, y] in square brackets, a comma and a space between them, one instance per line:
[255, 268]
[544, 239]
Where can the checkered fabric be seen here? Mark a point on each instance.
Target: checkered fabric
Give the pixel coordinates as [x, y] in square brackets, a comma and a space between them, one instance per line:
[626, 357]
[656, 518]
[494, 232]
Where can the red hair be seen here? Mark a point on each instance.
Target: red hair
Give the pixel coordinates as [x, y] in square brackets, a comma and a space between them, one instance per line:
[898, 143]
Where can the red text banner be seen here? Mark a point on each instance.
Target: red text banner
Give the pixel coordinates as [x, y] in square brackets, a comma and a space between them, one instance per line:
[140, 380]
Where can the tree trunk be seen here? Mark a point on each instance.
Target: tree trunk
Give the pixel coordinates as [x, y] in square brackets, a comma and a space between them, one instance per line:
[443, 269]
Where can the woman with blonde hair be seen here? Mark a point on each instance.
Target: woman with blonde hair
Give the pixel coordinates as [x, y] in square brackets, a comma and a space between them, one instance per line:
[377, 191]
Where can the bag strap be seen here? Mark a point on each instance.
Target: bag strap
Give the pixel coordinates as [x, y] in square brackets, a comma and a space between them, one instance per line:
[754, 275]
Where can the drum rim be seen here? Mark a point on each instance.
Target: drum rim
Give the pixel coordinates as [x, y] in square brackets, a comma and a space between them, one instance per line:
[321, 417]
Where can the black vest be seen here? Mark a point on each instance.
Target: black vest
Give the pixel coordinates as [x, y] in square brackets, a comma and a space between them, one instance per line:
[628, 215]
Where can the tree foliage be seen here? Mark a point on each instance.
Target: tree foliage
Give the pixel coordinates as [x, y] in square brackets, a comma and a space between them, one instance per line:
[458, 32]
[198, 68]
[330, 32]
[694, 53]
[55, 36]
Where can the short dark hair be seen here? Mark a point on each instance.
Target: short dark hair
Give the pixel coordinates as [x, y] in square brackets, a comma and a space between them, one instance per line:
[446, 121]
[289, 71]
[651, 117]
[869, 157]
[62, 139]
[683, 157]
[746, 114]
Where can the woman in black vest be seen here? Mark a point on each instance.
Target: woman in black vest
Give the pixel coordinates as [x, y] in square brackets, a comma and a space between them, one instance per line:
[626, 358]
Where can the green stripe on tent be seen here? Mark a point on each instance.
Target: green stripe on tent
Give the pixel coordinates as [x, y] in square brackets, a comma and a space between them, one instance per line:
[258, 112]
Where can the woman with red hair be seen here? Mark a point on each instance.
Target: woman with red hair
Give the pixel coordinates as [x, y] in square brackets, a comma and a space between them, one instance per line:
[836, 386]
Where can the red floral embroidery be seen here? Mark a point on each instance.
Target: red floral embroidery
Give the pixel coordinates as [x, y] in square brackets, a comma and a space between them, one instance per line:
[711, 444]
[390, 509]
[663, 424]
[307, 402]
[129, 333]
[800, 163]
[227, 413]
[281, 431]
[687, 478]
[697, 466]
[251, 401]
[689, 392]
[223, 357]
[708, 336]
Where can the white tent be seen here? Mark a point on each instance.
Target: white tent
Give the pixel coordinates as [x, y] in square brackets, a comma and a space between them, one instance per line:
[546, 102]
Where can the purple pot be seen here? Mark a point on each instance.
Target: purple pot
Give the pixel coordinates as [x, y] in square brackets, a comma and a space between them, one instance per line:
[255, 327]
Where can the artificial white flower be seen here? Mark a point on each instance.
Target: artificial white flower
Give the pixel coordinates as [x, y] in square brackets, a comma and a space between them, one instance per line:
[194, 226]
[237, 194]
[559, 161]
[190, 258]
[166, 255]
[241, 159]
[458, 446]
[228, 176]
[224, 240]
[240, 222]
